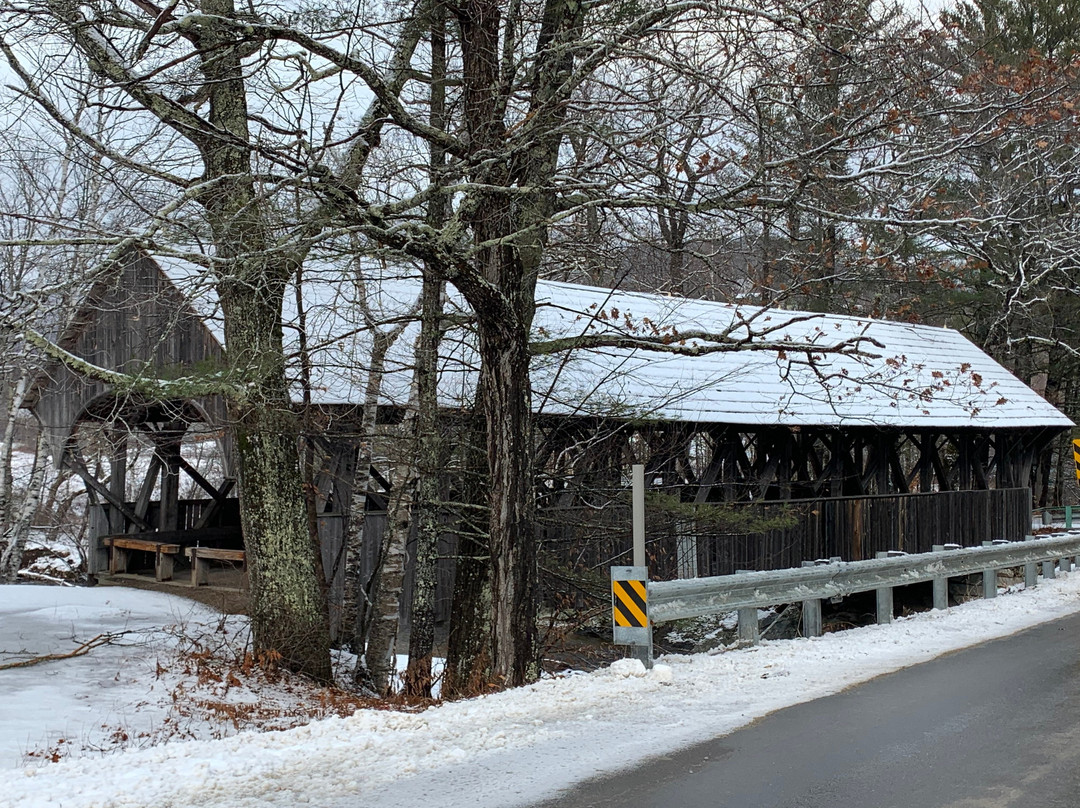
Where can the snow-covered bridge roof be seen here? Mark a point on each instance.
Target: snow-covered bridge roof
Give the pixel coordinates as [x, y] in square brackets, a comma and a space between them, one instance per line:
[911, 376]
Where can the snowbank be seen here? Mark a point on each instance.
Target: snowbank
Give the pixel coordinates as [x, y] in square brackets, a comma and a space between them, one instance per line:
[505, 749]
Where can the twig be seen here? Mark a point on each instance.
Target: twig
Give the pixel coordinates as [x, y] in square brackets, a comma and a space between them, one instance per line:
[82, 650]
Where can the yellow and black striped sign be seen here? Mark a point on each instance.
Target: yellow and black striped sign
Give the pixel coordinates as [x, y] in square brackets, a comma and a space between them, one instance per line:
[630, 603]
[1076, 457]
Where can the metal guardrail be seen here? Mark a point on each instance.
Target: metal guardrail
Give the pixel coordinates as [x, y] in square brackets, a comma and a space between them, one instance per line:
[749, 591]
[1047, 515]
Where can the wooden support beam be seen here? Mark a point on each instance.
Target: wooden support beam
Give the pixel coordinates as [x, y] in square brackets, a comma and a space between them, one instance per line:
[813, 456]
[72, 461]
[979, 451]
[901, 482]
[851, 456]
[377, 476]
[963, 461]
[939, 467]
[201, 481]
[169, 515]
[766, 462]
[142, 504]
[784, 461]
[711, 473]
[925, 464]
[829, 472]
[211, 510]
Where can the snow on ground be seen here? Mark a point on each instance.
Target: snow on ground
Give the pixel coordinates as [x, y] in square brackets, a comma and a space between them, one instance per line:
[505, 749]
[170, 669]
[81, 701]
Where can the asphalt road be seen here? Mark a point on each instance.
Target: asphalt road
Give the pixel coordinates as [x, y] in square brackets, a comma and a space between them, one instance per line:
[993, 726]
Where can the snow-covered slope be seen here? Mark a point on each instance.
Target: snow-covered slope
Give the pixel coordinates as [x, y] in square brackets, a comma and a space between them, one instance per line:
[502, 750]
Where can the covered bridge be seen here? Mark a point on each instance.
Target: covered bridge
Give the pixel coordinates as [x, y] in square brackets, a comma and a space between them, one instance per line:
[819, 435]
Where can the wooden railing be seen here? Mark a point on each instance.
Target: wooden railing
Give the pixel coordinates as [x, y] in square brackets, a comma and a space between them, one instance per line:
[849, 528]
[858, 528]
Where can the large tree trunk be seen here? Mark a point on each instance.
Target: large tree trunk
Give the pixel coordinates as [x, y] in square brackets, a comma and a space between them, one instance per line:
[510, 236]
[287, 601]
[468, 652]
[289, 615]
[506, 400]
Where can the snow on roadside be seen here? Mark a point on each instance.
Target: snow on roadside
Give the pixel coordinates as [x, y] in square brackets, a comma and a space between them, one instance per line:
[519, 746]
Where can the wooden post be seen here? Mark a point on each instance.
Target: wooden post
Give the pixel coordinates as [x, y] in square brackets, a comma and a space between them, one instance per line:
[169, 517]
[118, 560]
[97, 559]
[118, 478]
[925, 464]
[200, 571]
[163, 566]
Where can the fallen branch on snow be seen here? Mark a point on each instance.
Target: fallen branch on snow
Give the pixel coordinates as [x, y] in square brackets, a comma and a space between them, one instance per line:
[44, 577]
[82, 650]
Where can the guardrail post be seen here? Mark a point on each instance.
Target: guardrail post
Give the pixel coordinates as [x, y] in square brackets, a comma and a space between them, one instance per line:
[1068, 517]
[989, 578]
[1031, 570]
[941, 585]
[811, 613]
[1048, 569]
[811, 618]
[884, 600]
[748, 622]
[748, 626]
[1065, 565]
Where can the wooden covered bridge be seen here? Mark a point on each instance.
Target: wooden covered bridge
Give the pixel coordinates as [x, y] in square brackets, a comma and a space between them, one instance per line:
[757, 458]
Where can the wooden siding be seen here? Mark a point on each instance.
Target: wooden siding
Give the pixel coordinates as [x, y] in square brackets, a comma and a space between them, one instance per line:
[136, 321]
[851, 528]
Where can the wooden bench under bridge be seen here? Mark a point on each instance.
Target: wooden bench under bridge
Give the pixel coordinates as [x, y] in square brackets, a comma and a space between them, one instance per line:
[166, 546]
